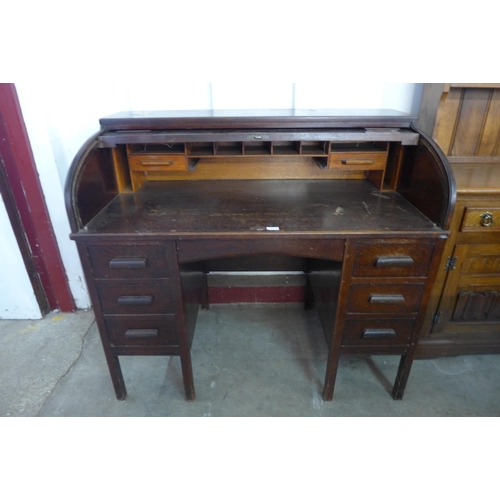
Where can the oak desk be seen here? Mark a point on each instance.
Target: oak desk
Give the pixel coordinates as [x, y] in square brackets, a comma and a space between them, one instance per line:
[363, 202]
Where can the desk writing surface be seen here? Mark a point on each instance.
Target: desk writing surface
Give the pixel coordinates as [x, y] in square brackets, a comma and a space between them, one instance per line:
[253, 207]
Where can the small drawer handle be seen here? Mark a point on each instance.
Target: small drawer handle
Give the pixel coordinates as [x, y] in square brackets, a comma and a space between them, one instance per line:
[379, 333]
[141, 334]
[157, 163]
[358, 162]
[135, 300]
[486, 219]
[387, 298]
[127, 263]
[390, 261]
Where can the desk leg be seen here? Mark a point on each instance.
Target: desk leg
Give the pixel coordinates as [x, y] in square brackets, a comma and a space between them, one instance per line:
[115, 371]
[331, 372]
[187, 376]
[402, 376]
[309, 296]
[204, 300]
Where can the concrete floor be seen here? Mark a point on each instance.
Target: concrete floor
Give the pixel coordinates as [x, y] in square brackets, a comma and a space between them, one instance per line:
[248, 360]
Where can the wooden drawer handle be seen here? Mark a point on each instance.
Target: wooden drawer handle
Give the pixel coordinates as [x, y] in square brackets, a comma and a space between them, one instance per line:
[141, 334]
[486, 219]
[387, 298]
[379, 333]
[135, 300]
[157, 163]
[389, 261]
[358, 162]
[127, 263]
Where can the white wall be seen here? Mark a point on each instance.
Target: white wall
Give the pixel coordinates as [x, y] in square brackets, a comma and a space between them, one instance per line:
[60, 116]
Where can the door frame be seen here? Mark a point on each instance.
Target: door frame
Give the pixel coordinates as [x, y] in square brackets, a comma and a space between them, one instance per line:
[28, 213]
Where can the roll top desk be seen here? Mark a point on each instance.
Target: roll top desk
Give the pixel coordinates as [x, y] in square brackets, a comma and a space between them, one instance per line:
[362, 200]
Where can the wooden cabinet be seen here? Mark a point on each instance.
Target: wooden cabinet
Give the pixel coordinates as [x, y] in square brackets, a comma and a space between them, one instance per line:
[157, 200]
[464, 314]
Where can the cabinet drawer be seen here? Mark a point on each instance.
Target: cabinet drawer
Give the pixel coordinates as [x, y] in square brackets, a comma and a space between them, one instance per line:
[377, 331]
[481, 219]
[368, 298]
[135, 299]
[363, 160]
[128, 261]
[158, 162]
[392, 259]
[153, 329]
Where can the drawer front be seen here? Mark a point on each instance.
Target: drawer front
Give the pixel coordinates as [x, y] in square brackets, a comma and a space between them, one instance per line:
[128, 261]
[135, 299]
[392, 259]
[153, 329]
[160, 163]
[357, 161]
[368, 298]
[377, 331]
[481, 219]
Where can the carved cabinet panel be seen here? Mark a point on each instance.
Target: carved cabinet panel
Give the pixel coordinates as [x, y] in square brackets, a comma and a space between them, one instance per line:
[472, 289]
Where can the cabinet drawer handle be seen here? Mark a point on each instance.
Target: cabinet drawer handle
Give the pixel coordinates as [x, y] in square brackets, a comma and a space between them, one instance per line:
[388, 298]
[358, 162]
[135, 300]
[127, 263]
[379, 333]
[486, 219]
[141, 334]
[389, 261]
[157, 163]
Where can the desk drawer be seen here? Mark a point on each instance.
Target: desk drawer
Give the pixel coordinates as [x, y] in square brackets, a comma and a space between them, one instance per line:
[375, 331]
[135, 299]
[392, 259]
[481, 219]
[153, 329]
[158, 162]
[363, 160]
[368, 298]
[128, 261]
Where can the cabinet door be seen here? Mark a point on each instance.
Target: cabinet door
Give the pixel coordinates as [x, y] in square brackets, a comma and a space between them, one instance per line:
[472, 289]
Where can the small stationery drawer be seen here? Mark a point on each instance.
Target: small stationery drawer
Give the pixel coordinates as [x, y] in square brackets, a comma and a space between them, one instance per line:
[135, 299]
[149, 162]
[377, 331]
[128, 261]
[481, 219]
[363, 160]
[153, 329]
[392, 259]
[368, 298]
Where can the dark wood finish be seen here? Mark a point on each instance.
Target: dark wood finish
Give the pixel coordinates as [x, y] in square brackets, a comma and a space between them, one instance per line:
[136, 298]
[376, 331]
[233, 190]
[195, 250]
[146, 330]
[254, 209]
[410, 258]
[128, 261]
[91, 183]
[388, 299]
[462, 318]
[259, 119]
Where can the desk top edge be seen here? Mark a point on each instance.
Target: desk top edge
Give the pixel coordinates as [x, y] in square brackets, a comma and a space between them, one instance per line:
[267, 118]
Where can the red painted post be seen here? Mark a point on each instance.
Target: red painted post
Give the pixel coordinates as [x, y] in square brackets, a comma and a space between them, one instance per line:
[22, 176]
